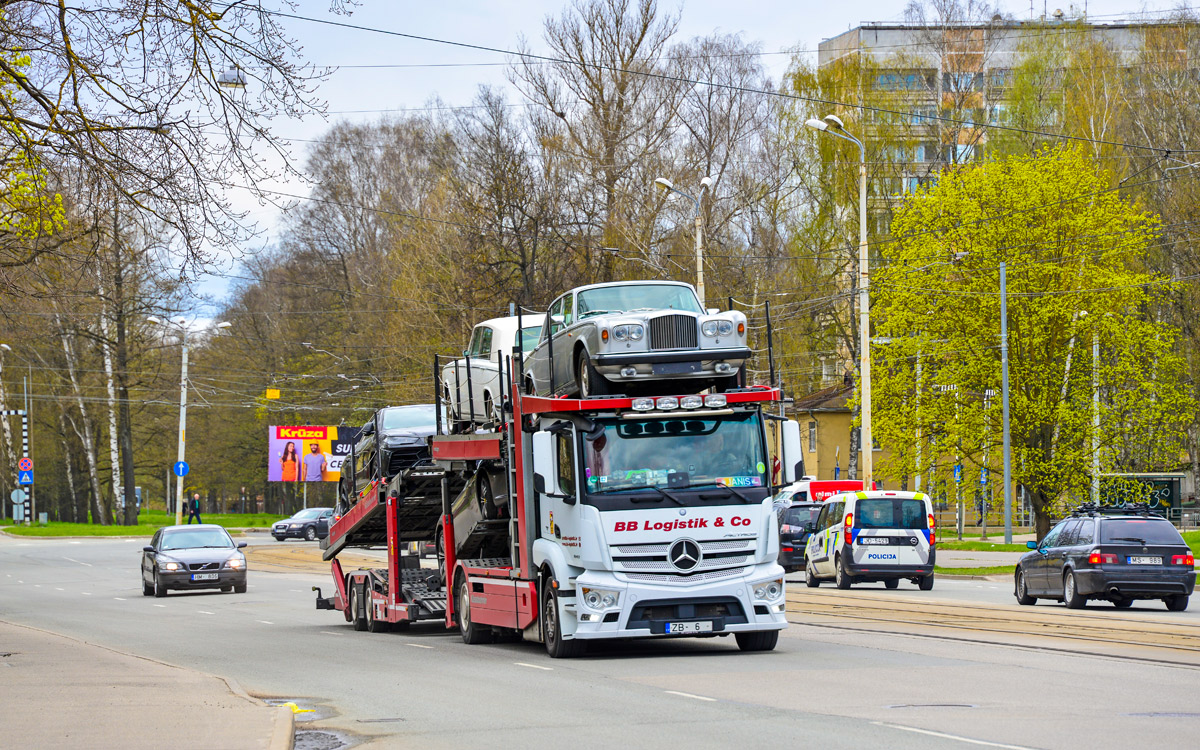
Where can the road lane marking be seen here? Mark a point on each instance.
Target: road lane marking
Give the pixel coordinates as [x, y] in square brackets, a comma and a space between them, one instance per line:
[534, 666]
[37, 585]
[266, 622]
[74, 542]
[86, 593]
[330, 632]
[118, 598]
[296, 591]
[20, 581]
[77, 561]
[418, 645]
[205, 612]
[689, 695]
[160, 605]
[943, 735]
[56, 588]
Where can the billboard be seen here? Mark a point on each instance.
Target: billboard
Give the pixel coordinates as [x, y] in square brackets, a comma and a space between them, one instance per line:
[308, 453]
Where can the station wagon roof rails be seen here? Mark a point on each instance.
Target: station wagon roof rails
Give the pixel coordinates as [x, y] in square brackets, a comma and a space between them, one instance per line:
[1126, 509]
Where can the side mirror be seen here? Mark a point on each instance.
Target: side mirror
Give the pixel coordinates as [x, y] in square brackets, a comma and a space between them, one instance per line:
[793, 454]
[147, 548]
[240, 545]
[1031, 545]
[539, 484]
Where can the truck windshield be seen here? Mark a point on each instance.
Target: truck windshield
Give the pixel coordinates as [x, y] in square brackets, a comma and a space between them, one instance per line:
[689, 451]
[618, 299]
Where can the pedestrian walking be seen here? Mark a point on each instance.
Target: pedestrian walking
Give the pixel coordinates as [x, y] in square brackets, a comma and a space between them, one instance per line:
[194, 509]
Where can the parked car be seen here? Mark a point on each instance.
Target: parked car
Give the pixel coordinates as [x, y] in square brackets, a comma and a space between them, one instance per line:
[311, 524]
[190, 557]
[471, 386]
[394, 439]
[873, 536]
[614, 338]
[796, 526]
[1117, 555]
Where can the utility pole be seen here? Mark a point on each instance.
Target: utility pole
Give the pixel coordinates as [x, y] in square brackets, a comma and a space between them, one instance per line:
[1004, 401]
[1096, 417]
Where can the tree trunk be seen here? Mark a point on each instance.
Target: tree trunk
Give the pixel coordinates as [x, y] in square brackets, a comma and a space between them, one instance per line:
[1041, 512]
[68, 467]
[114, 456]
[8, 444]
[100, 512]
[124, 418]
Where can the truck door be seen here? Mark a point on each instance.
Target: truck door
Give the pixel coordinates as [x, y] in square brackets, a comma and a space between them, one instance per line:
[555, 461]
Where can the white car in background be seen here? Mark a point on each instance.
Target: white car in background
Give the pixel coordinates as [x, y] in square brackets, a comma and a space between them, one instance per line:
[471, 386]
[617, 338]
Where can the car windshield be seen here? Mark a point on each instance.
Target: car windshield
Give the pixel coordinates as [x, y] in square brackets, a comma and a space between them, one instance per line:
[891, 513]
[616, 299]
[801, 516]
[191, 538]
[529, 337]
[676, 453]
[1140, 530]
[409, 417]
[307, 514]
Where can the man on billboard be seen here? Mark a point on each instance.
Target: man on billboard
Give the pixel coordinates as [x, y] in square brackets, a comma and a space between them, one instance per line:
[315, 463]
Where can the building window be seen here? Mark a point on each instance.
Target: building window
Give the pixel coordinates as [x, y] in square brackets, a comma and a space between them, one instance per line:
[904, 80]
[959, 82]
[812, 437]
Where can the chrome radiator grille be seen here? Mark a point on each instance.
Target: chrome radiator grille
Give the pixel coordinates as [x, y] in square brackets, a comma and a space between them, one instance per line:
[673, 332]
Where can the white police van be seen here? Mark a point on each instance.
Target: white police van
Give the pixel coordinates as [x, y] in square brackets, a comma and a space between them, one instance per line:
[873, 536]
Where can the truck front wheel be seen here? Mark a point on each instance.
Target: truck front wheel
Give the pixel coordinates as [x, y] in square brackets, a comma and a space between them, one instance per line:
[761, 641]
[471, 633]
[556, 646]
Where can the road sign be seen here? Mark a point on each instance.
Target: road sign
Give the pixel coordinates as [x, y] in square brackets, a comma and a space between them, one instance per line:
[25, 464]
[25, 477]
[181, 468]
[983, 475]
[18, 495]
[958, 473]
[272, 393]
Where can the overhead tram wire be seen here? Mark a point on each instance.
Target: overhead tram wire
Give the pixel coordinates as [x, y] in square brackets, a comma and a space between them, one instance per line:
[694, 82]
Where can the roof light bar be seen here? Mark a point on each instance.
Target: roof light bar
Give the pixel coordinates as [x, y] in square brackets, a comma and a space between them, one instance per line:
[715, 400]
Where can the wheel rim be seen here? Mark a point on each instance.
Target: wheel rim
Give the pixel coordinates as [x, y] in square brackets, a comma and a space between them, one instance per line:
[551, 619]
[311, 534]
[1021, 585]
[464, 608]
[585, 385]
[489, 407]
[370, 611]
[1069, 587]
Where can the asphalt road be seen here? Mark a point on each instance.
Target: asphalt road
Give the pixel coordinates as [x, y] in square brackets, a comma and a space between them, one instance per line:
[822, 687]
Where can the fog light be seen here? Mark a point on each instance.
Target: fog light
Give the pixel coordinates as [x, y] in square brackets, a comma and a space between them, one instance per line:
[779, 608]
[643, 404]
[666, 403]
[723, 367]
[691, 402]
[715, 400]
[628, 372]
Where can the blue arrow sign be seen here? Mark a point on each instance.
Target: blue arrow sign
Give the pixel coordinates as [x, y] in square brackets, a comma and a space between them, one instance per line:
[958, 473]
[181, 468]
[24, 477]
[983, 476]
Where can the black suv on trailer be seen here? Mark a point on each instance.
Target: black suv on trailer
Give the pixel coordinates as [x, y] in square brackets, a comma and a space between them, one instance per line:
[1115, 553]
[796, 524]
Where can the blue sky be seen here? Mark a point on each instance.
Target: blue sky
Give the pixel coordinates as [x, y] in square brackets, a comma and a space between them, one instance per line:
[453, 75]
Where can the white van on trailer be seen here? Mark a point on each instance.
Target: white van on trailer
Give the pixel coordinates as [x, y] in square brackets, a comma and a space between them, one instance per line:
[873, 536]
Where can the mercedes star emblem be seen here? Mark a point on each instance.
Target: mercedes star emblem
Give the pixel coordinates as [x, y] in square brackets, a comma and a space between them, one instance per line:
[684, 555]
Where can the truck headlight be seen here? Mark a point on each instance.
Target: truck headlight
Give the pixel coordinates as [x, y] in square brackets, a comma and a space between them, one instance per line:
[768, 590]
[600, 599]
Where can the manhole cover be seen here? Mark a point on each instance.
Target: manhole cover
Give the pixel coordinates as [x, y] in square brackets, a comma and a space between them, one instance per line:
[934, 705]
[316, 739]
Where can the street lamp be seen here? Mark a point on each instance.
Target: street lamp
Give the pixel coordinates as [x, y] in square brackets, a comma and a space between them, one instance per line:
[705, 183]
[833, 125]
[181, 324]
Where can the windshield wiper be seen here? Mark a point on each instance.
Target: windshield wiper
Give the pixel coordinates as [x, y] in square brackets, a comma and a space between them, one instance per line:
[1139, 540]
[662, 493]
[733, 491]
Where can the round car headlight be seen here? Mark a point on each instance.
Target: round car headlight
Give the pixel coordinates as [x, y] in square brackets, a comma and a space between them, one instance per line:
[774, 590]
[609, 600]
[620, 333]
[725, 327]
[709, 328]
[593, 600]
[760, 592]
[635, 333]
[171, 566]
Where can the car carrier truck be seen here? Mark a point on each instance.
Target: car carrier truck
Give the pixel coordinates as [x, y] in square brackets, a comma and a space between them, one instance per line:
[582, 519]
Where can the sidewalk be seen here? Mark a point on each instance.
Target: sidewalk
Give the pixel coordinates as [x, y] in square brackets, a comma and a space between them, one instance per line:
[56, 691]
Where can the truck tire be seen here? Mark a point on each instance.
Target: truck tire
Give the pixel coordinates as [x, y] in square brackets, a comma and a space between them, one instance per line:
[160, 588]
[356, 615]
[762, 641]
[556, 646]
[471, 632]
[374, 624]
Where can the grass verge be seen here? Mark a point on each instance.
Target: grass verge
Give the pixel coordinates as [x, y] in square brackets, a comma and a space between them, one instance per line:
[994, 570]
[980, 546]
[149, 521]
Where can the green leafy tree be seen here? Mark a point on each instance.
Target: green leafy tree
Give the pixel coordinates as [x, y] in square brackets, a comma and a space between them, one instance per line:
[1072, 248]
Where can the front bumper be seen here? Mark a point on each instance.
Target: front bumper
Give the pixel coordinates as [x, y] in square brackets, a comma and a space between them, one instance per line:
[693, 363]
[1134, 582]
[645, 608]
[182, 580]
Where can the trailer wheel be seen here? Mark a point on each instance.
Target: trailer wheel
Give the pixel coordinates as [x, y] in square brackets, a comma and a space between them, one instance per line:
[360, 622]
[556, 646]
[373, 624]
[471, 633]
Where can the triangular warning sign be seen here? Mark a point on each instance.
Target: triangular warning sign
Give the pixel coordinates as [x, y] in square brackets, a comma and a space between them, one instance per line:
[25, 477]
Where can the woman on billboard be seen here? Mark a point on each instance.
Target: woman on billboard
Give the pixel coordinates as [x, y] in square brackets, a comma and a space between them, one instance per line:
[288, 463]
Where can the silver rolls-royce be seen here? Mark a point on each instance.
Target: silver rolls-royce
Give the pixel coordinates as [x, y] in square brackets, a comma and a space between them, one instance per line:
[607, 339]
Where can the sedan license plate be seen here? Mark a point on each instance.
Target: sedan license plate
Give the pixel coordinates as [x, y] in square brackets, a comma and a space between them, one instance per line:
[1140, 560]
[689, 627]
[676, 368]
[204, 576]
[877, 540]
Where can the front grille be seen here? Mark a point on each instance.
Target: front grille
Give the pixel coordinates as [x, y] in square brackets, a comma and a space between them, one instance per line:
[404, 458]
[679, 578]
[204, 566]
[660, 565]
[673, 332]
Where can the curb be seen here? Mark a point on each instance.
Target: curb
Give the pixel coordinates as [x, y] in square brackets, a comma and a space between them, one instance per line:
[283, 732]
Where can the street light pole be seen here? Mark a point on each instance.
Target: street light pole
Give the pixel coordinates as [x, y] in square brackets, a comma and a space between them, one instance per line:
[833, 125]
[666, 184]
[1004, 401]
[1096, 416]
